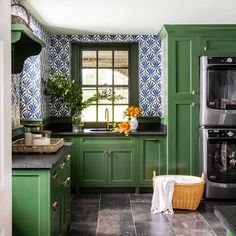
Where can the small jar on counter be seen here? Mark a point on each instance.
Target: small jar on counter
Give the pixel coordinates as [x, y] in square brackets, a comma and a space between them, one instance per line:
[28, 128]
[41, 137]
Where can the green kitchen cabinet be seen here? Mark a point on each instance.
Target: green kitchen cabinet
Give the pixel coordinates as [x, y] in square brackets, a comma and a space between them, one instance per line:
[151, 157]
[183, 137]
[218, 45]
[103, 165]
[182, 46]
[41, 200]
[74, 159]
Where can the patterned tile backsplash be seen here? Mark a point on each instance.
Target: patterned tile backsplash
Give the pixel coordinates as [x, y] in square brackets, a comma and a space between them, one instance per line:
[28, 101]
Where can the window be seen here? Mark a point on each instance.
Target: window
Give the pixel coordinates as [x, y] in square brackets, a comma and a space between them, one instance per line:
[111, 66]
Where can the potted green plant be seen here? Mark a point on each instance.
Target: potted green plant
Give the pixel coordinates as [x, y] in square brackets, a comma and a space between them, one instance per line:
[67, 91]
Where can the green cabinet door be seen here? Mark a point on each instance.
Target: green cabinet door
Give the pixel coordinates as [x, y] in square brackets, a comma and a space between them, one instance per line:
[183, 141]
[121, 166]
[182, 67]
[218, 45]
[92, 167]
[151, 157]
[31, 203]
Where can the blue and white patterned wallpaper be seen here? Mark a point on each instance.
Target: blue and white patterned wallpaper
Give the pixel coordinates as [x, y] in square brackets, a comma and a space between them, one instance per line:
[28, 101]
[149, 66]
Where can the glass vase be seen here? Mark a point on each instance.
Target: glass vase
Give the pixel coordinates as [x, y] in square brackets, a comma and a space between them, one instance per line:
[77, 122]
[133, 123]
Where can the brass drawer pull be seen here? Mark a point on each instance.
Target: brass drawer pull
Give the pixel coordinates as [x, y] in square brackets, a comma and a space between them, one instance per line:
[62, 165]
[55, 175]
[151, 139]
[68, 157]
[54, 205]
[65, 183]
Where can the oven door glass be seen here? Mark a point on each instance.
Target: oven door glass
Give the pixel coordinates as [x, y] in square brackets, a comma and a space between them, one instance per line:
[221, 87]
[221, 160]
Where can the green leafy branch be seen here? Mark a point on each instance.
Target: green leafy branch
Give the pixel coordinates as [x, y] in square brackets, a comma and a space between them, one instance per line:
[67, 91]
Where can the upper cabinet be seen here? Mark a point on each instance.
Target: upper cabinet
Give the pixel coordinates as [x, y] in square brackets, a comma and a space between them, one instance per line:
[24, 45]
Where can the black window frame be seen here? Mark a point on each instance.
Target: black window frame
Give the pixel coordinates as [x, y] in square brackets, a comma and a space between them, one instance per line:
[133, 68]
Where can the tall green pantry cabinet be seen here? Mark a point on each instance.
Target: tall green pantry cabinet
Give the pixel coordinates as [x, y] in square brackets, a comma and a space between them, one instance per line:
[182, 46]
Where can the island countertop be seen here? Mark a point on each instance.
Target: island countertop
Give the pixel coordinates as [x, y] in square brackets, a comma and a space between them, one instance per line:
[37, 160]
[227, 214]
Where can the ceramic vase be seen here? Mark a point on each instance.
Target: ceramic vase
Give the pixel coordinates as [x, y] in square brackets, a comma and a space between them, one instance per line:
[133, 123]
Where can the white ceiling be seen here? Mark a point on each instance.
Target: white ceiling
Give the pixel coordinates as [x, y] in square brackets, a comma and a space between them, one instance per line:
[127, 16]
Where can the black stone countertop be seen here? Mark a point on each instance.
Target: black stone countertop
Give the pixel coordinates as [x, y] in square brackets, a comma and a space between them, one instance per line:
[160, 130]
[227, 214]
[37, 160]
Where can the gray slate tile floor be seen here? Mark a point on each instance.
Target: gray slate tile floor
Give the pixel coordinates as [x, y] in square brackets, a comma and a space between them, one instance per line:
[129, 214]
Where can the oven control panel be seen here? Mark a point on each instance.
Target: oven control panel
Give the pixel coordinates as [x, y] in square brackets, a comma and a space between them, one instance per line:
[221, 133]
[221, 60]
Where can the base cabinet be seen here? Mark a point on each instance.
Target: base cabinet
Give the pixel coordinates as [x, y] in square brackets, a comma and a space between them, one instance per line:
[152, 158]
[41, 200]
[107, 167]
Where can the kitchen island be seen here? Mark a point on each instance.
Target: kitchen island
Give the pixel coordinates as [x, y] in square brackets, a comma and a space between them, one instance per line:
[41, 193]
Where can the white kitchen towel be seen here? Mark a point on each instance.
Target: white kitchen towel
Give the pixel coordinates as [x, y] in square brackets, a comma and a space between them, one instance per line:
[164, 189]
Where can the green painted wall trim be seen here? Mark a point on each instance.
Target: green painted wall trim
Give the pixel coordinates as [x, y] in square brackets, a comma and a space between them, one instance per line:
[231, 28]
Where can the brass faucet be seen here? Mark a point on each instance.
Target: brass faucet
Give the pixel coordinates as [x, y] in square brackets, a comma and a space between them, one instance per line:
[107, 117]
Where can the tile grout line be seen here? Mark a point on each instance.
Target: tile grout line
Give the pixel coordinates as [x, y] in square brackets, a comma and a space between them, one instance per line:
[171, 223]
[99, 207]
[132, 215]
[207, 224]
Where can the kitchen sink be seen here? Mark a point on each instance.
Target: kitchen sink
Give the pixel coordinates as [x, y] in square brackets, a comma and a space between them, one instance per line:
[101, 130]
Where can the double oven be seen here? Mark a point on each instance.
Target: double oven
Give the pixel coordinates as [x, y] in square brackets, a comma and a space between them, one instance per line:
[218, 125]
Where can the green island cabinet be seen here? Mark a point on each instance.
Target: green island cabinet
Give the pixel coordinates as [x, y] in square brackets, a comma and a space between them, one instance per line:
[182, 46]
[116, 161]
[41, 199]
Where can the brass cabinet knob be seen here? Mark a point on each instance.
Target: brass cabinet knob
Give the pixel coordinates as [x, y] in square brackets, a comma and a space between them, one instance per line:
[55, 205]
[68, 157]
[205, 48]
[62, 165]
[55, 175]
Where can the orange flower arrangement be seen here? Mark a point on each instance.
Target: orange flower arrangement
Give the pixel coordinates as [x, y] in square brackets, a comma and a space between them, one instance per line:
[122, 127]
[132, 111]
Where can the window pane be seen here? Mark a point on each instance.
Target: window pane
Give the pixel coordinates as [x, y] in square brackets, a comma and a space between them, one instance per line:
[121, 58]
[105, 76]
[89, 76]
[88, 92]
[124, 92]
[89, 113]
[104, 58]
[119, 112]
[105, 101]
[89, 59]
[121, 77]
[101, 113]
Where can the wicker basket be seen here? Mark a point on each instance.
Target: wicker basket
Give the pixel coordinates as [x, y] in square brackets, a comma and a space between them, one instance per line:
[186, 196]
[18, 146]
